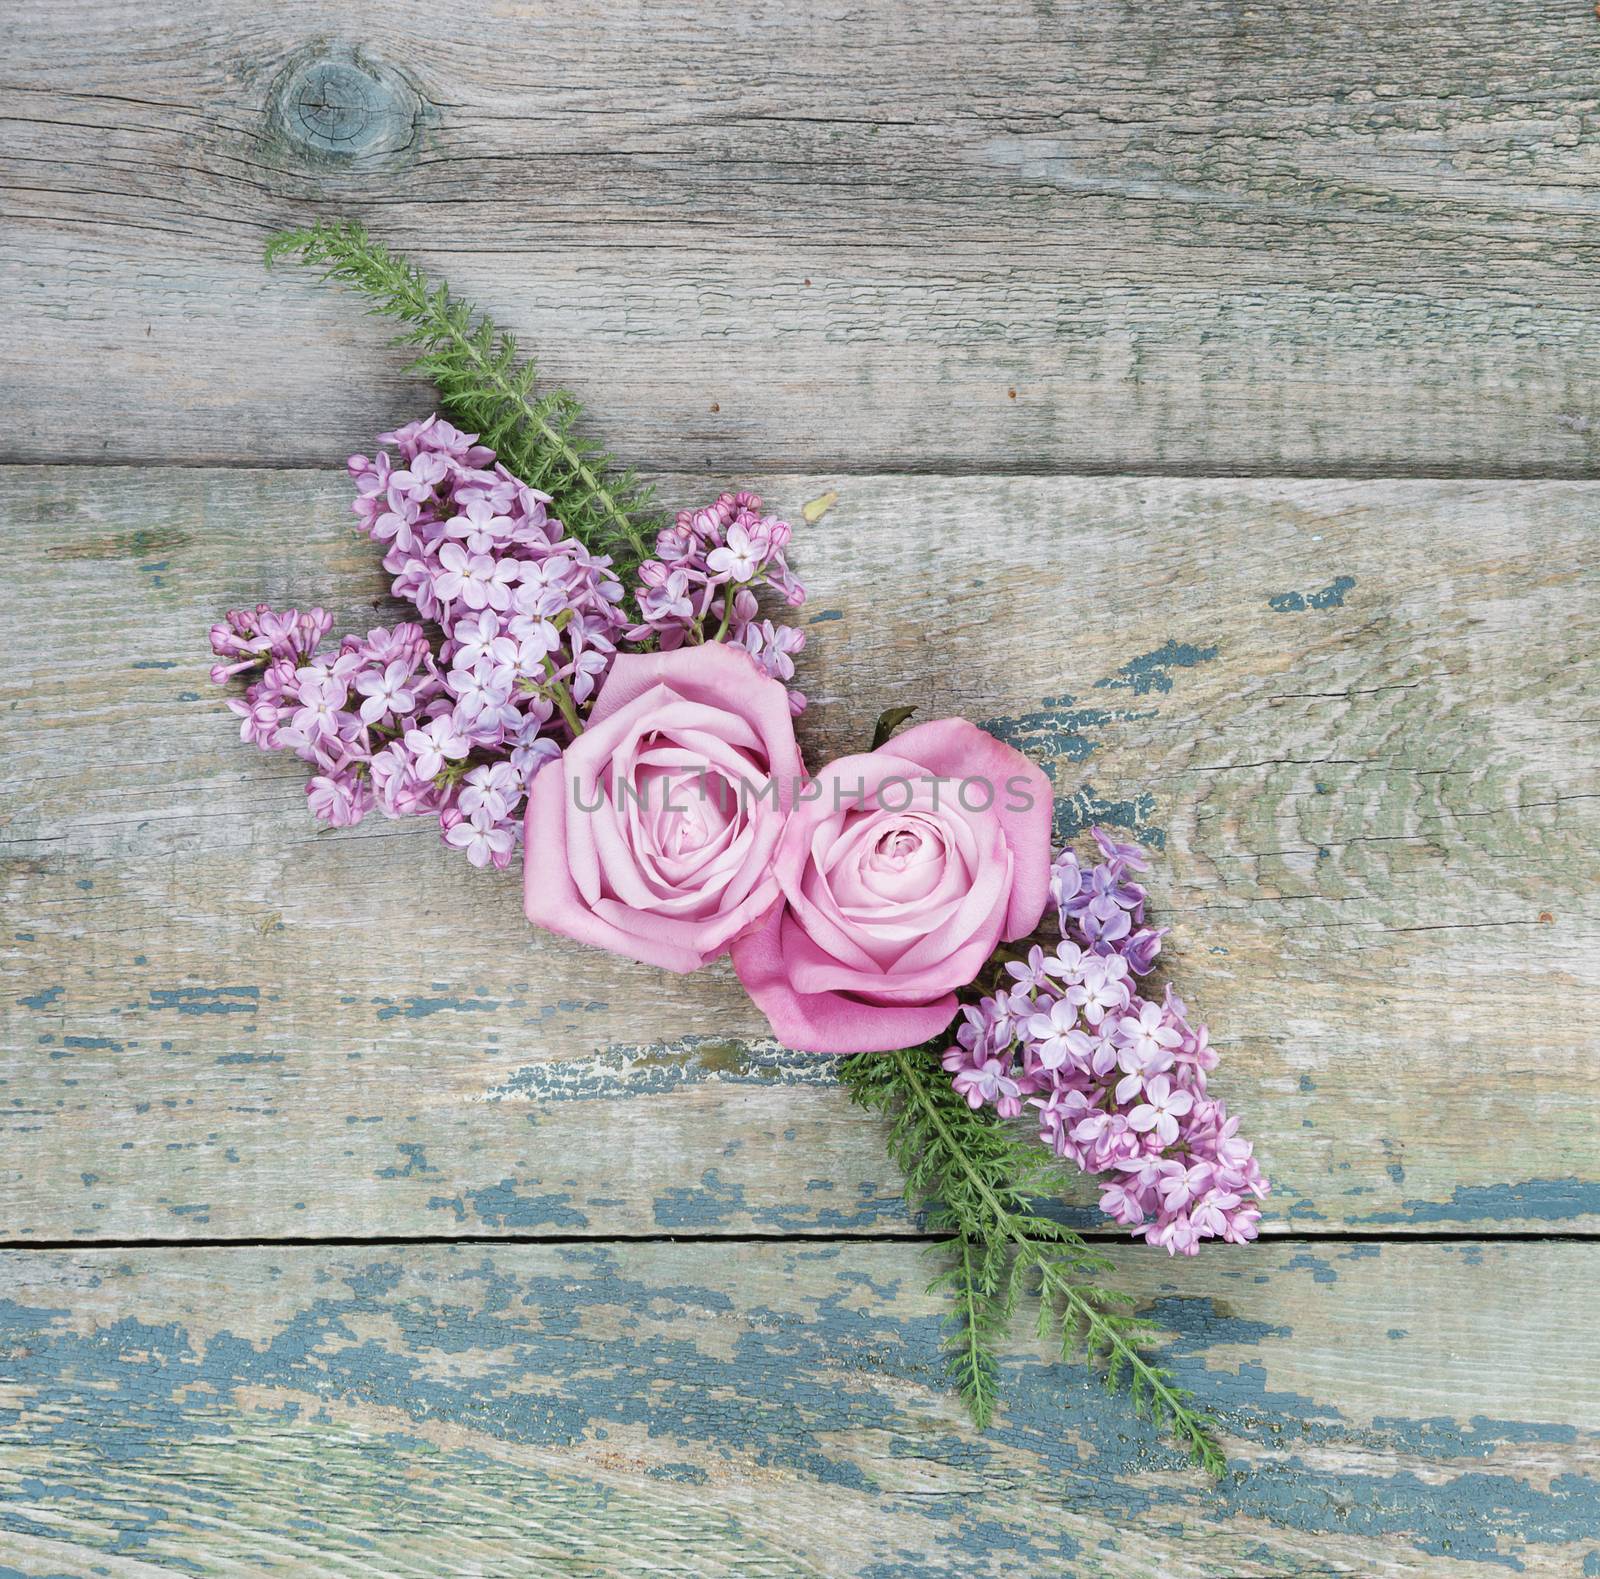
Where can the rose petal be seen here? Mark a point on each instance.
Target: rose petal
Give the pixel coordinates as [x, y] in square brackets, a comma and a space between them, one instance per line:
[952, 748]
[551, 899]
[827, 1022]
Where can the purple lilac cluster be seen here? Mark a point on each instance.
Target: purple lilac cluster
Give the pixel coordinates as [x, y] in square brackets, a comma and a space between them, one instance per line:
[1119, 1080]
[700, 586]
[530, 622]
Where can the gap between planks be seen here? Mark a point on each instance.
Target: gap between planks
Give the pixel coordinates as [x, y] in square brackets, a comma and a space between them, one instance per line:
[1104, 1237]
[651, 466]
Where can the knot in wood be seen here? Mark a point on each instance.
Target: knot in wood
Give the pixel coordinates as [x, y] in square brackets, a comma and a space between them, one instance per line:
[334, 104]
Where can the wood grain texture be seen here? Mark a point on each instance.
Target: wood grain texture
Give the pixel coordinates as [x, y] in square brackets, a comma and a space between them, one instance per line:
[1262, 238]
[779, 1412]
[1358, 718]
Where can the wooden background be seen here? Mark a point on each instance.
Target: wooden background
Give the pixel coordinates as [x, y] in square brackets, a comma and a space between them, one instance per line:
[1209, 396]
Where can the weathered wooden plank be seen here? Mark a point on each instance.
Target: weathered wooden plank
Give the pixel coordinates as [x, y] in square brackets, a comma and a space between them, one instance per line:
[1378, 812]
[1002, 235]
[677, 1409]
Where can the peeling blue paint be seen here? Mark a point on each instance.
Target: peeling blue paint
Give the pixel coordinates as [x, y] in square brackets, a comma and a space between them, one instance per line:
[416, 1162]
[1057, 731]
[621, 1070]
[561, 1354]
[1152, 671]
[719, 1203]
[41, 999]
[500, 1206]
[1329, 597]
[1538, 1200]
[1062, 729]
[1086, 807]
[1320, 1270]
[768, 1403]
[205, 1000]
[688, 1474]
[417, 1007]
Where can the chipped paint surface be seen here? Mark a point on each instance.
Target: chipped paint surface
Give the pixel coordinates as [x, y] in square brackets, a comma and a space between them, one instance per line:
[664, 1066]
[1534, 1200]
[1152, 671]
[1328, 597]
[1063, 731]
[772, 1378]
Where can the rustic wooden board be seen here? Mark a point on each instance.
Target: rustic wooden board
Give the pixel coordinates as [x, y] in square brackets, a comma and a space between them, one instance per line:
[1357, 717]
[1340, 239]
[779, 1411]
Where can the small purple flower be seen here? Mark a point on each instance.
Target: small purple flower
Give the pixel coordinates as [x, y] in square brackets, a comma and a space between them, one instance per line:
[1176, 1235]
[1148, 1036]
[990, 1083]
[321, 698]
[494, 789]
[339, 802]
[385, 692]
[480, 640]
[1102, 988]
[433, 744]
[476, 690]
[479, 527]
[1129, 855]
[484, 841]
[476, 579]
[1054, 1035]
[737, 559]
[1066, 879]
[1032, 974]
[1180, 1187]
[1068, 963]
[1160, 1110]
[1140, 948]
[1123, 1203]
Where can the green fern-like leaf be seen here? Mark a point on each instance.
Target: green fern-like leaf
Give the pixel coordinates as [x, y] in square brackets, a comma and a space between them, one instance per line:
[487, 387]
[977, 1180]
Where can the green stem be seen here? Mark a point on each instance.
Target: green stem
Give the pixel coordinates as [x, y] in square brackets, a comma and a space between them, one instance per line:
[727, 610]
[1099, 1334]
[911, 1079]
[974, 1356]
[509, 393]
[558, 693]
[339, 245]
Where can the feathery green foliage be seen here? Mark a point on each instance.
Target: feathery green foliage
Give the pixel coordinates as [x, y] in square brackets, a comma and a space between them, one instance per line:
[977, 1180]
[486, 388]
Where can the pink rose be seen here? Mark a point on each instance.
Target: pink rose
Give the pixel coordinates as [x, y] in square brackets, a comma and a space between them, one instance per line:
[900, 870]
[653, 835]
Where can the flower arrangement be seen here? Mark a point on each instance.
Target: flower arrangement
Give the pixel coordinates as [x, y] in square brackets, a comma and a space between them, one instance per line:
[600, 696]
